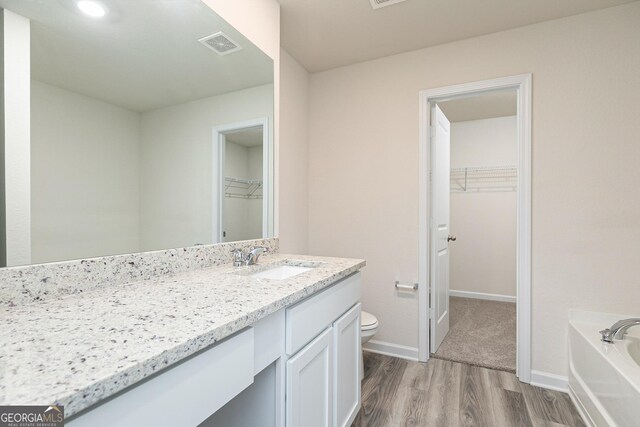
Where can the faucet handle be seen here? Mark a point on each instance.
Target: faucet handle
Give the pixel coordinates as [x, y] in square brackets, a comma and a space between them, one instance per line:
[607, 336]
[238, 257]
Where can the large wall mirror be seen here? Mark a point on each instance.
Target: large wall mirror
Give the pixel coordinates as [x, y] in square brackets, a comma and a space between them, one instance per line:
[151, 128]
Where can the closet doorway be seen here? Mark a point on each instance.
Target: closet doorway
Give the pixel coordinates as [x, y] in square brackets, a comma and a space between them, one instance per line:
[242, 181]
[482, 224]
[475, 224]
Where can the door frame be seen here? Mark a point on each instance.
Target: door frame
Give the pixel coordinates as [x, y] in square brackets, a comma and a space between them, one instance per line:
[522, 85]
[218, 152]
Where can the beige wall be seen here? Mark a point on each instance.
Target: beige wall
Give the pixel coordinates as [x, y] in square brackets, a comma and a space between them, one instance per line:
[293, 156]
[483, 258]
[363, 167]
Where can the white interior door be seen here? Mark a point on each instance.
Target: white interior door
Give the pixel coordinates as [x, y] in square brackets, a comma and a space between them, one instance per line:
[439, 222]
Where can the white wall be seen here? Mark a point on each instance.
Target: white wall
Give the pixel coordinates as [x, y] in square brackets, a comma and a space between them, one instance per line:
[487, 142]
[84, 176]
[15, 209]
[242, 218]
[254, 222]
[483, 258]
[363, 167]
[177, 158]
[125, 181]
[234, 211]
[294, 161]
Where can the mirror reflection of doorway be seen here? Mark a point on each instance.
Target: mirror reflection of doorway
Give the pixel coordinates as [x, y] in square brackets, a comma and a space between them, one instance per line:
[243, 172]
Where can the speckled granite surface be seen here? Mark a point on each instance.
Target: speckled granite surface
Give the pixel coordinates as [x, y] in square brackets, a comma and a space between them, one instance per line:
[80, 348]
[39, 282]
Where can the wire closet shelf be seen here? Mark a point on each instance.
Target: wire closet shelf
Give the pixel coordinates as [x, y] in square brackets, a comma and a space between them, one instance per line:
[484, 179]
[238, 188]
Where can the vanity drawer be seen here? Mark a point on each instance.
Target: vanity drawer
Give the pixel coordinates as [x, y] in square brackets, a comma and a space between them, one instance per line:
[305, 320]
[184, 395]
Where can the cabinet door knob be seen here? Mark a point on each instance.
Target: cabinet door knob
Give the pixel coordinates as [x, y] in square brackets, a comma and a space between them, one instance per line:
[451, 238]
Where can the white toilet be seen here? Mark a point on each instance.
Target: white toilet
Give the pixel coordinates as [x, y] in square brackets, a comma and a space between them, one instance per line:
[368, 328]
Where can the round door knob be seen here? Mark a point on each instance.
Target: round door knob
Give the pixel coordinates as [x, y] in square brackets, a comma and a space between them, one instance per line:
[451, 238]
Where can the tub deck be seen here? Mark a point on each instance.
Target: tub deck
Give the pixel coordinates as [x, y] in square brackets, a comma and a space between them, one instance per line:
[604, 379]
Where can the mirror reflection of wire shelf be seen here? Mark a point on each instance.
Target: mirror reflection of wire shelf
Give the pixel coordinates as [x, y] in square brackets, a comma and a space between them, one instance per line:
[481, 179]
[239, 188]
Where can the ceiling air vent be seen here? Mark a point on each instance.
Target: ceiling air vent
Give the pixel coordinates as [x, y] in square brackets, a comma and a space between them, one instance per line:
[220, 43]
[377, 4]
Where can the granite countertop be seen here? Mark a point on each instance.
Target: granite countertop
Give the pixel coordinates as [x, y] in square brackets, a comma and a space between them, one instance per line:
[80, 349]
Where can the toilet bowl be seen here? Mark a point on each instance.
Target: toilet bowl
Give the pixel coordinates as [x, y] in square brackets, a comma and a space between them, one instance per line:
[368, 328]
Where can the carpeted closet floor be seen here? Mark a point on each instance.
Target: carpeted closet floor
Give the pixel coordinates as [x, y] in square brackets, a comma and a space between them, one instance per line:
[481, 333]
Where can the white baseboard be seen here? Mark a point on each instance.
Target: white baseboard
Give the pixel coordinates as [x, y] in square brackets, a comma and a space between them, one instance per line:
[538, 378]
[480, 295]
[390, 349]
[550, 381]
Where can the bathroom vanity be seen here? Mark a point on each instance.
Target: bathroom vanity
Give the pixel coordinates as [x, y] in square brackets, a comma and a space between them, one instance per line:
[213, 347]
[122, 146]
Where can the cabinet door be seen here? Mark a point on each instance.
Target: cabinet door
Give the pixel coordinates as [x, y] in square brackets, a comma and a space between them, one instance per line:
[309, 384]
[346, 379]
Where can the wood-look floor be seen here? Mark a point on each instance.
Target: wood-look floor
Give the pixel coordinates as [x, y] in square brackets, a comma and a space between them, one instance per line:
[398, 392]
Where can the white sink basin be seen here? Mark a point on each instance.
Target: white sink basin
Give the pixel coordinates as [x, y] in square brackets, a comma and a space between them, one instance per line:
[630, 347]
[280, 272]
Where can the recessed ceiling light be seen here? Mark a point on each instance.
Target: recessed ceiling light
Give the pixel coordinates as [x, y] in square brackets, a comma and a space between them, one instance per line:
[92, 8]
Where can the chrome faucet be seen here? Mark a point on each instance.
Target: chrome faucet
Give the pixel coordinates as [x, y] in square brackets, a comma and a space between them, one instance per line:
[250, 258]
[618, 329]
[254, 254]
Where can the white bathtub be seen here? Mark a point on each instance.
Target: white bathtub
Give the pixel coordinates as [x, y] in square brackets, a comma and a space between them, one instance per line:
[604, 379]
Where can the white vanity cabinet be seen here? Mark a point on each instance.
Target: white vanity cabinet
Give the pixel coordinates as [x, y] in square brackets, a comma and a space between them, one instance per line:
[298, 367]
[205, 389]
[346, 367]
[310, 384]
[185, 394]
[323, 345]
